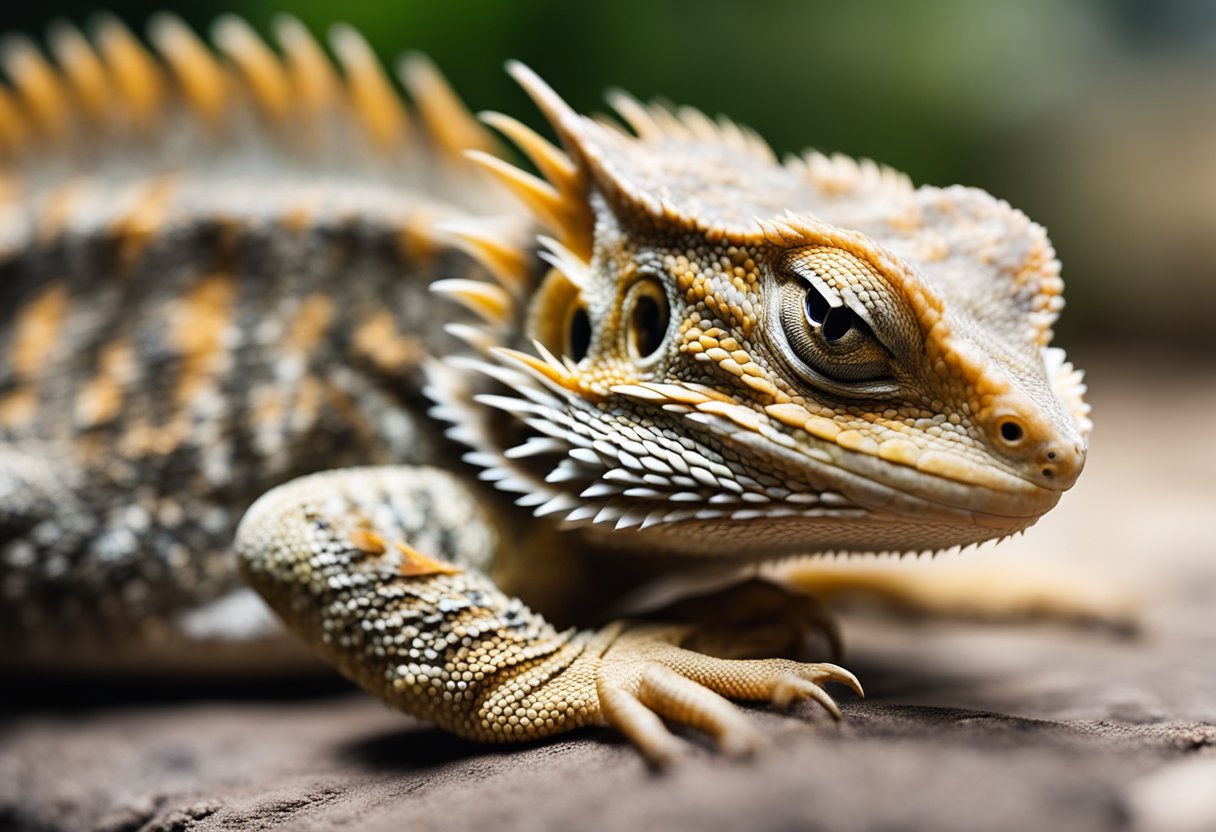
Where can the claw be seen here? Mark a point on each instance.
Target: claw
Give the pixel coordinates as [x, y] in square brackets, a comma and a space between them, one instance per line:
[792, 688]
[836, 673]
[645, 678]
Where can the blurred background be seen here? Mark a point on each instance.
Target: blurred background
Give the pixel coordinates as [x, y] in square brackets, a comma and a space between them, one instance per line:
[1096, 118]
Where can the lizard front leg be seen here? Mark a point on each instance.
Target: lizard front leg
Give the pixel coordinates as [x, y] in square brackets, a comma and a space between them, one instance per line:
[383, 572]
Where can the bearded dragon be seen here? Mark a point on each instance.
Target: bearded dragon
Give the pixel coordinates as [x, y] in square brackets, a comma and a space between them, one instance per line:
[231, 274]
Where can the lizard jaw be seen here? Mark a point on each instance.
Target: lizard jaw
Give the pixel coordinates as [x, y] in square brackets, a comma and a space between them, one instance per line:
[572, 468]
[882, 506]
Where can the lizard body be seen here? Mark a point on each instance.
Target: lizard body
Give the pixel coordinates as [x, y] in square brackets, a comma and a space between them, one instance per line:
[195, 308]
[682, 352]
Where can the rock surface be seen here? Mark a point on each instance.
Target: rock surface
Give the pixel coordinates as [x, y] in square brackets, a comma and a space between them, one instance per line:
[967, 726]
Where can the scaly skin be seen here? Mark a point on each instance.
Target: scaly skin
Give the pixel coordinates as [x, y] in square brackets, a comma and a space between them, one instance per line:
[684, 354]
[241, 300]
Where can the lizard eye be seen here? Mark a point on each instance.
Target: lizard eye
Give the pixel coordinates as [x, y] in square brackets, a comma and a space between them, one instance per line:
[837, 323]
[826, 339]
[578, 332]
[559, 317]
[648, 318]
[815, 306]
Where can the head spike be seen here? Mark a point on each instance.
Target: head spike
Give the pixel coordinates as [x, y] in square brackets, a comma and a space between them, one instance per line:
[611, 125]
[635, 114]
[668, 122]
[568, 221]
[476, 337]
[310, 71]
[554, 376]
[538, 195]
[551, 359]
[575, 224]
[570, 217]
[487, 300]
[37, 83]
[566, 262]
[14, 131]
[700, 125]
[373, 97]
[81, 68]
[760, 148]
[444, 114]
[560, 116]
[204, 83]
[731, 135]
[554, 165]
[137, 75]
[261, 67]
[506, 261]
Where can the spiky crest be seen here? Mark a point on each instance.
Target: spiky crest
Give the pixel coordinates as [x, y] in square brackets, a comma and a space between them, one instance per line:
[111, 87]
[684, 171]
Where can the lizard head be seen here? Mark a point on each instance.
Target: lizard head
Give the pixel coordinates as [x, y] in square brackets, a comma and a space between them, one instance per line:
[742, 355]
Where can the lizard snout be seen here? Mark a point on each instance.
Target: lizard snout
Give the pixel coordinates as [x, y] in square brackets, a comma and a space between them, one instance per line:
[1059, 464]
[1049, 455]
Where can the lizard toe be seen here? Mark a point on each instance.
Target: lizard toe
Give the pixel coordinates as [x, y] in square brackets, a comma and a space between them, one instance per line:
[645, 678]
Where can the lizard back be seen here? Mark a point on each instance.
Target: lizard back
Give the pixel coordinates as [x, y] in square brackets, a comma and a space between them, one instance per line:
[215, 276]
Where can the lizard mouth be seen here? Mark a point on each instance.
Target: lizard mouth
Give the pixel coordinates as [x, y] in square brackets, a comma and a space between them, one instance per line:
[991, 497]
[987, 498]
[873, 509]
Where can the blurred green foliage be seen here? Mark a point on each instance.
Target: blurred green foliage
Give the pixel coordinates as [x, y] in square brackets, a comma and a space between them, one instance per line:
[1096, 118]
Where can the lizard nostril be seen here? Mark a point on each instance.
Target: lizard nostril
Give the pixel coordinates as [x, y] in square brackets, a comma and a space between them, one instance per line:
[1060, 464]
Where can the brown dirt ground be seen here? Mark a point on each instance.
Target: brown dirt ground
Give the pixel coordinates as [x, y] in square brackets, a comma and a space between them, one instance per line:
[968, 726]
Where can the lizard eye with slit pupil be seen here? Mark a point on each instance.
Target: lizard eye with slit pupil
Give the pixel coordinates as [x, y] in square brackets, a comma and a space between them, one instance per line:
[578, 334]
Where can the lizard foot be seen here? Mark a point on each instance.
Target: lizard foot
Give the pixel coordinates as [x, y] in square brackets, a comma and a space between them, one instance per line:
[646, 676]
